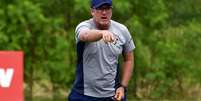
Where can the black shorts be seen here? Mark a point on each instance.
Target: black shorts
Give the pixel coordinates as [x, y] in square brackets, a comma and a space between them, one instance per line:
[74, 96]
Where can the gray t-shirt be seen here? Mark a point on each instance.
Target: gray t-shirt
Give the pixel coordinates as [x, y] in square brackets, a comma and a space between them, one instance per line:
[97, 65]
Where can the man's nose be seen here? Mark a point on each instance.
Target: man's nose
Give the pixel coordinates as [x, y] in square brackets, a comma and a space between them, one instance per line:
[104, 11]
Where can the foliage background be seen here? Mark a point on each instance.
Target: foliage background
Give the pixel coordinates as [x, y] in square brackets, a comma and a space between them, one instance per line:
[167, 35]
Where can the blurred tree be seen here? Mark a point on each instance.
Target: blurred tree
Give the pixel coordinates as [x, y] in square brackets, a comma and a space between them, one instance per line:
[24, 27]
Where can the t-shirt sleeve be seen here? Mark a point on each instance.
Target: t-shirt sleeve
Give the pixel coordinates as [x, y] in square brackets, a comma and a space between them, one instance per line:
[129, 44]
[81, 26]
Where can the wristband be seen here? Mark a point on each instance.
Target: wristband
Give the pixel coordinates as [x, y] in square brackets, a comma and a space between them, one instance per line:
[125, 88]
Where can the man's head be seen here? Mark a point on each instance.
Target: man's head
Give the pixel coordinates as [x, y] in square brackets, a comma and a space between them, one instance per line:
[101, 11]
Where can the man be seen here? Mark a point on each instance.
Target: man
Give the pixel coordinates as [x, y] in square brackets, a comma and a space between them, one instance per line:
[100, 41]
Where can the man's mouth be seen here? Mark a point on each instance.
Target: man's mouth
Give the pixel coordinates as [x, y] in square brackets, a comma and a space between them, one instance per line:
[104, 18]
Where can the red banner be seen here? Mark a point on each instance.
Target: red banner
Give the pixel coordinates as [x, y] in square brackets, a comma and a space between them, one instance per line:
[11, 76]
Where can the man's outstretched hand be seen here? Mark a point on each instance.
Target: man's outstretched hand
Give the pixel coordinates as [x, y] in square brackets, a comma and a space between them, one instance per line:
[107, 36]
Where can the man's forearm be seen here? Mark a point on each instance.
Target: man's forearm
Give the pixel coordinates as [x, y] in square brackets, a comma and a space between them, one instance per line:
[127, 70]
[90, 35]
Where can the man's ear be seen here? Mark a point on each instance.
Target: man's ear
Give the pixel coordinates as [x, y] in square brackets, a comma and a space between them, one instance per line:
[92, 11]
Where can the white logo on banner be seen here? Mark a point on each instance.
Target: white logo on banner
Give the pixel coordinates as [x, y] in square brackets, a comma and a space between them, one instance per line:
[6, 77]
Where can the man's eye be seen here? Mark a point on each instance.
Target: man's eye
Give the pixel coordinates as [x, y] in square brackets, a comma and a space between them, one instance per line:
[103, 8]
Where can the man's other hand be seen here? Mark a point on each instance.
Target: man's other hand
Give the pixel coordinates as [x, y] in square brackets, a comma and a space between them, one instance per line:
[119, 94]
